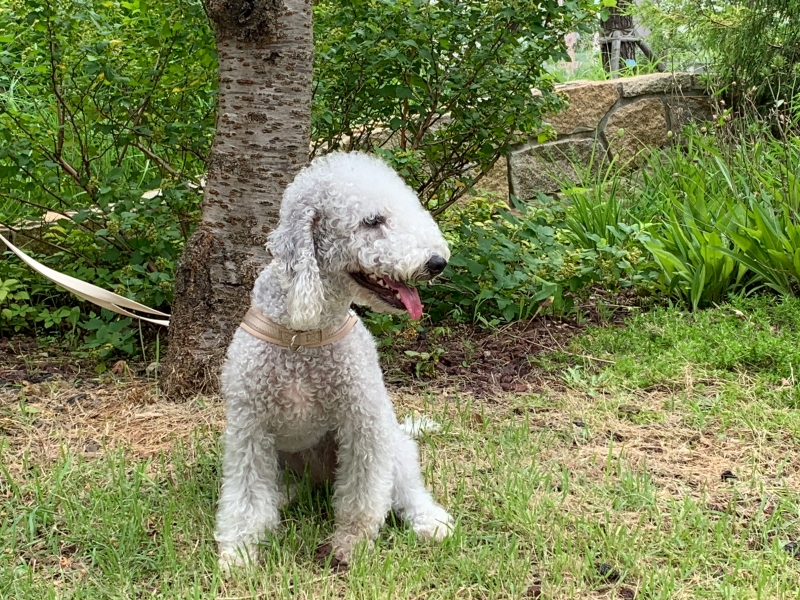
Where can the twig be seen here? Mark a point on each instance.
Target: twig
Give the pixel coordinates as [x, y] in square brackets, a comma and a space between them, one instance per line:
[561, 349]
[157, 159]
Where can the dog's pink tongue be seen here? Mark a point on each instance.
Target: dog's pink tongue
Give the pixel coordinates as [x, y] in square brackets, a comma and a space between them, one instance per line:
[408, 295]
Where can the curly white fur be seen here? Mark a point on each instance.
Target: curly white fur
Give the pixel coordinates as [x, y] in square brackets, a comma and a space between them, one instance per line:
[326, 410]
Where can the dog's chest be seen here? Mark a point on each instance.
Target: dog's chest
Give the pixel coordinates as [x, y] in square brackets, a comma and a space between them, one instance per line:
[300, 396]
[297, 400]
[296, 404]
[298, 415]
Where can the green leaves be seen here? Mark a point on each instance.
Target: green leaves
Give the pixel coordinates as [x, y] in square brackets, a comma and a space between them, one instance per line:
[767, 241]
[452, 79]
[90, 92]
[507, 266]
[12, 289]
[731, 217]
[696, 263]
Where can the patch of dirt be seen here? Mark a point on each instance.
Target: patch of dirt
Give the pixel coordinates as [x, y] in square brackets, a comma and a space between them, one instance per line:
[484, 363]
[26, 359]
[490, 362]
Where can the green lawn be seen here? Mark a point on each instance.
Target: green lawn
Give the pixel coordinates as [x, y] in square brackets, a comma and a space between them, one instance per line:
[606, 484]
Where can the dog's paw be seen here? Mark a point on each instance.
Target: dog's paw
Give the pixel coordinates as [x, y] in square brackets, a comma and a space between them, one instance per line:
[237, 556]
[435, 524]
[344, 542]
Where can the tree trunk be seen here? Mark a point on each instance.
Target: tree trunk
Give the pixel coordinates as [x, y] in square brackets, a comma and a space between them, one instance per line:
[619, 20]
[265, 52]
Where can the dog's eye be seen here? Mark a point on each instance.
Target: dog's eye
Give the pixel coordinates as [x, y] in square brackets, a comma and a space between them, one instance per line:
[373, 222]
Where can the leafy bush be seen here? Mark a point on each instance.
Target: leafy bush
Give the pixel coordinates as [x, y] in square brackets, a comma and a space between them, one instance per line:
[689, 241]
[691, 252]
[766, 229]
[712, 217]
[507, 265]
[101, 101]
[440, 89]
[730, 202]
[595, 209]
[106, 116]
[755, 44]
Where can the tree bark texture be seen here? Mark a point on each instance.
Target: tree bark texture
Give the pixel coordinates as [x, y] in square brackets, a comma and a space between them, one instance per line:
[265, 52]
[618, 20]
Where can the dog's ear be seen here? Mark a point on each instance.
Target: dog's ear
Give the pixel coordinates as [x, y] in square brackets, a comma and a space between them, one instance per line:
[292, 247]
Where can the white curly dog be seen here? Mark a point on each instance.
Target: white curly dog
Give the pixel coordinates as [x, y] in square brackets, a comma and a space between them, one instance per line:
[350, 231]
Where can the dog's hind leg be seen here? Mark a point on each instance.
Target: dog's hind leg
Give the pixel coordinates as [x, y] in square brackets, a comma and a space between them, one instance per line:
[251, 494]
[410, 499]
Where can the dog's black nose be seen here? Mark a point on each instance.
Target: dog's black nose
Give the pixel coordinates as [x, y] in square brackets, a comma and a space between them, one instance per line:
[436, 264]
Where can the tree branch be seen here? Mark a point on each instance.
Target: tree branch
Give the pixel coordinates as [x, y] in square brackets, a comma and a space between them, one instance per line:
[156, 159]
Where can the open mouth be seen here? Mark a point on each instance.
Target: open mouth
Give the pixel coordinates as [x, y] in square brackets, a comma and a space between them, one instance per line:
[394, 293]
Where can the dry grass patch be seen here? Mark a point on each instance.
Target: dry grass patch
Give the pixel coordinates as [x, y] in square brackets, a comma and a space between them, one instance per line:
[42, 420]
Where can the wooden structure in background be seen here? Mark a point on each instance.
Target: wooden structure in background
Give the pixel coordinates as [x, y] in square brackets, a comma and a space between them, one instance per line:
[620, 40]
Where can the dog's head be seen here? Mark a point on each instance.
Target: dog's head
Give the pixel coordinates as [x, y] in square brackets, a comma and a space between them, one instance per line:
[348, 221]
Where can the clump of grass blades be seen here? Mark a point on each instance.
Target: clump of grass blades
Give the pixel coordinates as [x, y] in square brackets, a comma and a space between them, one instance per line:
[595, 211]
[729, 222]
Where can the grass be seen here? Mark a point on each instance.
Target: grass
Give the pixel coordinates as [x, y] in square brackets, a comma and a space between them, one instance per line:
[664, 465]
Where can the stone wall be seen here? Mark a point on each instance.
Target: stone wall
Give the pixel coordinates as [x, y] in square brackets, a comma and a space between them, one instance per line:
[606, 120]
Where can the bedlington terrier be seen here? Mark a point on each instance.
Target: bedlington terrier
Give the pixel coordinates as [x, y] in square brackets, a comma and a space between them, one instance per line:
[350, 231]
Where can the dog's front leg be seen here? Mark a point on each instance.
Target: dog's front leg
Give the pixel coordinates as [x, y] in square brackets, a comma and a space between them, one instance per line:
[250, 496]
[362, 493]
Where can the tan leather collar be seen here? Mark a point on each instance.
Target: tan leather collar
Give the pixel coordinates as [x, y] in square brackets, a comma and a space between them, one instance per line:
[257, 324]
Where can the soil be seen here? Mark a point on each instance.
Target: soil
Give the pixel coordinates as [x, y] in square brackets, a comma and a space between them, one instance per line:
[491, 362]
[480, 362]
[24, 359]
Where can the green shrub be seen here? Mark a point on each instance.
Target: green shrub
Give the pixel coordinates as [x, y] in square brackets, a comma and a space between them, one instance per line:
[597, 207]
[508, 264]
[439, 89]
[730, 202]
[590, 218]
[688, 245]
[695, 266]
[106, 115]
[765, 229]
